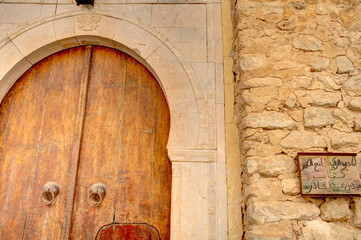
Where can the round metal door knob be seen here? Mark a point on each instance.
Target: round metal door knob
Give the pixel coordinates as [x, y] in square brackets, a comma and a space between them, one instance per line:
[49, 192]
[96, 194]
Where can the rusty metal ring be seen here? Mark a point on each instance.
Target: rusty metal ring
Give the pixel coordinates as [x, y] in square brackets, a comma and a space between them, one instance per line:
[96, 204]
[48, 202]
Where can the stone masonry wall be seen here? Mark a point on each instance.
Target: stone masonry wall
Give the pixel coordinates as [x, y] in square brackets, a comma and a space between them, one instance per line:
[298, 88]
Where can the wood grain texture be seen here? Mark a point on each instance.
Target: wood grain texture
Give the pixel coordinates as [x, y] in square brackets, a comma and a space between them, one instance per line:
[127, 232]
[78, 119]
[100, 140]
[37, 142]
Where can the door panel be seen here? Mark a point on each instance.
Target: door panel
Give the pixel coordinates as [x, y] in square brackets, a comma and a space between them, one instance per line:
[79, 117]
[124, 124]
[36, 143]
[128, 232]
[100, 141]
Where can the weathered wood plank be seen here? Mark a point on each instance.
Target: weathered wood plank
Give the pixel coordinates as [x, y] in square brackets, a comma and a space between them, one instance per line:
[77, 138]
[99, 144]
[55, 144]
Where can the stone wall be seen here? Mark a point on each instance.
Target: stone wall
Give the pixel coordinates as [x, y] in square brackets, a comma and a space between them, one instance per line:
[298, 88]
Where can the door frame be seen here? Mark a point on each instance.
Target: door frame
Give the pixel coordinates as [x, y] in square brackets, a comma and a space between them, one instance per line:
[196, 145]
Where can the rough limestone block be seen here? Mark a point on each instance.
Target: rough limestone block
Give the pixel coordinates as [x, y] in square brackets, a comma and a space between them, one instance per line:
[329, 81]
[357, 211]
[271, 165]
[320, 64]
[303, 140]
[291, 186]
[354, 84]
[301, 82]
[274, 211]
[267, 231]
[348, 16]
[355, 104]
[320, 98]
[321, 10]
[307, 43]
[341, 139]
[317, 230]
[317, 117]
[261, 82]
[335, 210]
[357, 122]
[252, 61]
[268, 120]
[344, 64]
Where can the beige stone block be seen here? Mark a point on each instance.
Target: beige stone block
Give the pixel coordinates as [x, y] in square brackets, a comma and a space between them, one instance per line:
[179, 15]
[354, 84]
[340, 139]
[356, 207]
[317, 229]
[317, 117]
[201, 71]
[194, 51]
[9, 56]
[170, 33]
[192, 34]
[264, 91]
[20, 13]
[64, 28]
[43, 52]
[87, 24]
[184, 128]
[335, 210]
[219, 198]
[218, 47]
[261, 82]
[303, 140]
[88, 40]
[35, 38]
[47, 10]
[268, 120]
[68, 43]
[136, 38]
[211, 82]
[219, 84]
[307, 43]
[320, 98]
[136, 12]
[274, 211]
[270, 166]
[270, 231]
[235, 226]
[195, 180]
[291, 186]
[221, 133]
[106, 27]
[62, 8]
[174, 80]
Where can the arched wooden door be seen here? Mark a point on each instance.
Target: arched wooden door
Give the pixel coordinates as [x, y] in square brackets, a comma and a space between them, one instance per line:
[84, 116]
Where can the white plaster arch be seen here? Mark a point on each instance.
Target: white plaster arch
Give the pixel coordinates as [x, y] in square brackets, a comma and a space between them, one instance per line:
[174, 73]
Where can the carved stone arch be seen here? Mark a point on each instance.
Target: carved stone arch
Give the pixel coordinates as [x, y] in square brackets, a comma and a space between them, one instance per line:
[198, 178]
[172, 70]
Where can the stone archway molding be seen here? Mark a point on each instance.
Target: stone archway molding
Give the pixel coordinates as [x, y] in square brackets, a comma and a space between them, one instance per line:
[199, 171]
[187, 106]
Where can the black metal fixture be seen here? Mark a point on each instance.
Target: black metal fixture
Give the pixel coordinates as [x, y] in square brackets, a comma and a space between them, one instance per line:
[78, 2]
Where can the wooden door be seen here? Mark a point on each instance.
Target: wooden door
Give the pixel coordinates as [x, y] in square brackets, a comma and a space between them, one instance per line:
[83, 116]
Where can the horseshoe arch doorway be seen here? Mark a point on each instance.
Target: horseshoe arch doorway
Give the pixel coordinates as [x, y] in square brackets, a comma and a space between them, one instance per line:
[83, 137]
